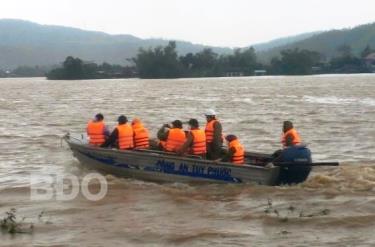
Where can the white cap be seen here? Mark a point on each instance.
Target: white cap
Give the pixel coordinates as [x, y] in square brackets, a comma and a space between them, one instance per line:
[210, 112]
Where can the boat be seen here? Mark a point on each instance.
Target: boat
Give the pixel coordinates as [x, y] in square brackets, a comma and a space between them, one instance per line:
[159, 166]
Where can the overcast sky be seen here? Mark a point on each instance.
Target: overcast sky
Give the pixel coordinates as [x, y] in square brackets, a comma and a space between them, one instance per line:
[232, 23]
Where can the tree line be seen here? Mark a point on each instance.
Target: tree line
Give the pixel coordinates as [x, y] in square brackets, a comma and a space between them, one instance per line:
[164, 62]
[76, 69]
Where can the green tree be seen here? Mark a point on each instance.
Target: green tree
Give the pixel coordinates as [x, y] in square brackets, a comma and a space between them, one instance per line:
[366, 51]
[73, 68]
[160, 62]
[295, 62]
[345, 50]
[241, 61]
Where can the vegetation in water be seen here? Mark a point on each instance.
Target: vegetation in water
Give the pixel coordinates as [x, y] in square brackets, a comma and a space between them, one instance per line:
[284, 214]
[12, 225]
[75, 69]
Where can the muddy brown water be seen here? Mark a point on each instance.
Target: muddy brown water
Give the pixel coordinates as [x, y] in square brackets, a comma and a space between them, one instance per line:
[335, 115]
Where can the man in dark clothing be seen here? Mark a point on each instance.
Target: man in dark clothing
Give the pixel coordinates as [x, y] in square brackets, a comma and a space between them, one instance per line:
[214, 136]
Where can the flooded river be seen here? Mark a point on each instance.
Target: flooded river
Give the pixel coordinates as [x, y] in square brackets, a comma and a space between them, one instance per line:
[335, 207]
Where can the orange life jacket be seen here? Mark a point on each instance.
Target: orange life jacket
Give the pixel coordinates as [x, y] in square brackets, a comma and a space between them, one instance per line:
[125, 136]
[141, 139]
[238, 157]
[95, 131]
[199, 142]
[176, 138]
[210, 131]
[296, 139]
[162, 144]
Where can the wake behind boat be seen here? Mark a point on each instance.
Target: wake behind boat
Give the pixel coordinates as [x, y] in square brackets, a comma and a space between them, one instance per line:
[159, 166]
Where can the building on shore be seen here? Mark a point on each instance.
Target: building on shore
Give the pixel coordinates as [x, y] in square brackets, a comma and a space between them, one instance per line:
[260, 72]
[234, 74]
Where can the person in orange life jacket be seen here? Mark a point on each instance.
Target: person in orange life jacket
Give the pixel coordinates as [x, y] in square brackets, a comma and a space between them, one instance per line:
[195, 143]
[96, 130]
[172, 137]
[290, 138]
[214, 138]
[122, 136]
[290, 135]
[141, 136]
[236, 151]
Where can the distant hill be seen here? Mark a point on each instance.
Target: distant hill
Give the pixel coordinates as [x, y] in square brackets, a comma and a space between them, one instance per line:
[327, 42]
[282, 41]
[28, 43]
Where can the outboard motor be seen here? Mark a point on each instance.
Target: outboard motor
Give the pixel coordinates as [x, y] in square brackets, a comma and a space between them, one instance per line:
[295, 164]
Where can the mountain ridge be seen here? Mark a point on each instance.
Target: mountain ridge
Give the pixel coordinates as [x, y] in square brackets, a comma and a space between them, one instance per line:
[327, 43]
[28, 43]
[25, 43]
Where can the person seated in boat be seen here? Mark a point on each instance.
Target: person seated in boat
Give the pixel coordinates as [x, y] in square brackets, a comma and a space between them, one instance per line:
[235, 153]
[290, 136]
[214, 136]
[122, 136]
[172, 137]
[141, 136]
[195, 143]
[96, 130]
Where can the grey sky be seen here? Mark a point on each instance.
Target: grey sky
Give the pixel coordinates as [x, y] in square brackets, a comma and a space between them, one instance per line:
[212, 22]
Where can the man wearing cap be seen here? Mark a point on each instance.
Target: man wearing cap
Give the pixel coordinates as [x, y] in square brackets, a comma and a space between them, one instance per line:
[195, 143]
[122, 136]
[97, 131]
[214, 139]
[172, 137]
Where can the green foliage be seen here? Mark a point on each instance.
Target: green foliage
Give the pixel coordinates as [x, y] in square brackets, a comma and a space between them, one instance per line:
[327, 43]
[29, 71]
[76, 69]
[367, 51]
[162, 62]
[295, 62]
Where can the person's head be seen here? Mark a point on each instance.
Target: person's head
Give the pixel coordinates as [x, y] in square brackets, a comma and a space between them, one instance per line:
[136, 121]
[193, 123]
[287, 125]
[230, 138]
[177, 124]
[99, 117]
[122, 119]
[210, 114]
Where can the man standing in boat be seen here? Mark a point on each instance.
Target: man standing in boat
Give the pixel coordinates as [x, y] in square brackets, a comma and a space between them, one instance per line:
[195, 140]
[214, 135]
[97, 131]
